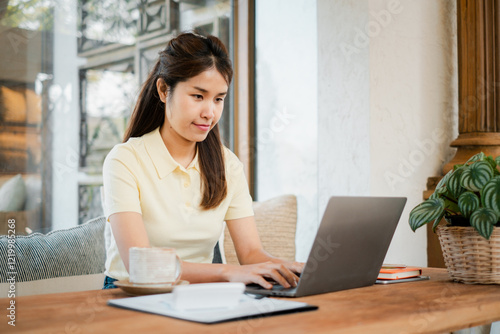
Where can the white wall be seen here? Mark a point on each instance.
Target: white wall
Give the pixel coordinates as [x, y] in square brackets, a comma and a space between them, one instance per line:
[343, 102]
[413, 107]
[380, 117]
[387, 93]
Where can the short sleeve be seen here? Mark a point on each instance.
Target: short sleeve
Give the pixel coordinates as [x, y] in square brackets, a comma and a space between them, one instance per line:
[121, 191]
[240, 205]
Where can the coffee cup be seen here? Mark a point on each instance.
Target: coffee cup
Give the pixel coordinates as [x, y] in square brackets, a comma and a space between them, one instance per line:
[156, 265]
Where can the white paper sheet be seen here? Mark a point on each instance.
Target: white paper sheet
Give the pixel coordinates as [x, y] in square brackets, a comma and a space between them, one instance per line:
[162, 304]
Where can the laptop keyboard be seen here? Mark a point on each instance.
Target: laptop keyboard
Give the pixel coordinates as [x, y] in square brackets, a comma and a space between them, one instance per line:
[276, 287]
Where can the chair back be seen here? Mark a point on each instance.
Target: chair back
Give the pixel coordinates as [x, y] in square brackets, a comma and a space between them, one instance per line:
[276, 221]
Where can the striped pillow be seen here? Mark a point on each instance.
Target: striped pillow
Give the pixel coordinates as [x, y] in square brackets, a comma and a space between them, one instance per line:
[68, 252]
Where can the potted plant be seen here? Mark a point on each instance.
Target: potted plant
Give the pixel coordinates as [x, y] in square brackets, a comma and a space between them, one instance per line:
[468, 197]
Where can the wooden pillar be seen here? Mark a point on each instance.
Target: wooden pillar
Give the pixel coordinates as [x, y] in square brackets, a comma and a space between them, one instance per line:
[478, 24]
[478, 79]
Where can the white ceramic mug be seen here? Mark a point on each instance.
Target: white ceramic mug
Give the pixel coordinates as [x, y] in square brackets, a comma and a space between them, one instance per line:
[156, 265]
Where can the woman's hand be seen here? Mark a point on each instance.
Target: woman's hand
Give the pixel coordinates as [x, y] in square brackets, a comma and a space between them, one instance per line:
[283, 273]
[296, 267]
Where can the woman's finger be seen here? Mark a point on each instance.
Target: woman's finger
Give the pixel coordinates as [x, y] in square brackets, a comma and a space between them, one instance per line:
[288, 275]
[262, 282]
[296, 267]
[276, 275]
[282, 275]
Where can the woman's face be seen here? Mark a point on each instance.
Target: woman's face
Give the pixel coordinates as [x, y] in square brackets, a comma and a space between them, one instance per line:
[194, 107]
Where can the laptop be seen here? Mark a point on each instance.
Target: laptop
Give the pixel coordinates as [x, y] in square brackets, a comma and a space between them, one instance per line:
[349, 248]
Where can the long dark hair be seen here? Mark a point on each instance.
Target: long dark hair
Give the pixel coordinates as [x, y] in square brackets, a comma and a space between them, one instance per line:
[185, 57]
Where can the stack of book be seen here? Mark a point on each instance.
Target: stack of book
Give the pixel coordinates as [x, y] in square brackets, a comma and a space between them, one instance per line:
[391, 273]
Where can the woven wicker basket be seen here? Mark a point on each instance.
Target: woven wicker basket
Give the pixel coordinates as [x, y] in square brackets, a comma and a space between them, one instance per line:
[468, 256]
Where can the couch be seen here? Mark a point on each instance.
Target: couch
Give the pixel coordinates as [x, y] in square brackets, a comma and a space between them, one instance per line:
[63, 260]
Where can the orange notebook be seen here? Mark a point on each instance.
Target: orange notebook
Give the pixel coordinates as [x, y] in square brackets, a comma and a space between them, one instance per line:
[398, 272]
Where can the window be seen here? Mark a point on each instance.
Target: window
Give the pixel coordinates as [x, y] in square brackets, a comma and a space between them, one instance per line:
[286, 116]
[69, 78]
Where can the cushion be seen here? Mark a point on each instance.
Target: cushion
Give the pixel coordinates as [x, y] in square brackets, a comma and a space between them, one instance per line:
[13, 105]
[276, 221]
[20, 105]
[33, 192]
[68, 252]
[13, 194]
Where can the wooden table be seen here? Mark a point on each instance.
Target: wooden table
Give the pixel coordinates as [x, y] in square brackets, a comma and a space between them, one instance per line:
[434, 306]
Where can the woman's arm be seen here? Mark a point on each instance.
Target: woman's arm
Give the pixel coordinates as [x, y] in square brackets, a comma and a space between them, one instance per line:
[247, 242]
[257, 265]
[250, 251]
[128, 231]
[250, 273]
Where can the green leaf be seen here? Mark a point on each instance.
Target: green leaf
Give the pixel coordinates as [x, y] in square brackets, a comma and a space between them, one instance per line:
[483, 220]
[497, 160]
[426, 212]
[476, 175]
[453, 183]
[436, 222]
[450, 205]
[441, 186]
[438, 192]
[489, 159]
[445, 179]
[476, 157]
[490, 194]
[468, 202]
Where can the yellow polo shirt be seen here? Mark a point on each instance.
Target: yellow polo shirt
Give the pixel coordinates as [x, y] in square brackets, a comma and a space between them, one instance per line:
[141, 176]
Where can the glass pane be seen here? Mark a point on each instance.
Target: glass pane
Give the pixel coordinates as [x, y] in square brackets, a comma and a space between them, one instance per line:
[107, 22]
[286, 108]
[23, 95]
[108, 96]
[70, 72]
[89, 202]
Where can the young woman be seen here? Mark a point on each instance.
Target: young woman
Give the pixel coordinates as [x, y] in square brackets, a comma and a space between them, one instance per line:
[172, 183]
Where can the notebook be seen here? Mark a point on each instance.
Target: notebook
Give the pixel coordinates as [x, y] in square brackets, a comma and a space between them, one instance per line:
[349, 249]
[247, 307]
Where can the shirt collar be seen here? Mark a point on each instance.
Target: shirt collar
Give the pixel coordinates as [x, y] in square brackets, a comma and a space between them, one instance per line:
[159, 154]
[195, 163]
